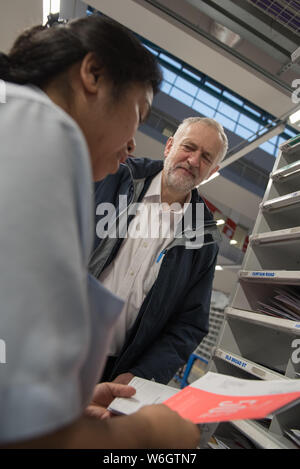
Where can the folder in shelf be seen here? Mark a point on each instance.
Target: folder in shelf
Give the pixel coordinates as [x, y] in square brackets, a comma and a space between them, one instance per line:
[276, 310]
[281, 202]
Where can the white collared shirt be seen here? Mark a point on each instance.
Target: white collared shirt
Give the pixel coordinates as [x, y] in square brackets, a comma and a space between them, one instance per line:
[134, 270]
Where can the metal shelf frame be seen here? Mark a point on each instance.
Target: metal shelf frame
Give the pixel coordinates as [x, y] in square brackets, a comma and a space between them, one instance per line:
[251, 344]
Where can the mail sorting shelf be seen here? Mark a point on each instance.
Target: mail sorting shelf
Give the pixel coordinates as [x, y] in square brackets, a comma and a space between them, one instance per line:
[254, 345]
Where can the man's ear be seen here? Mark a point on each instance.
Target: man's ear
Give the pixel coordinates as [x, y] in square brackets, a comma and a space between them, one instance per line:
[168, 146]
[90, 73]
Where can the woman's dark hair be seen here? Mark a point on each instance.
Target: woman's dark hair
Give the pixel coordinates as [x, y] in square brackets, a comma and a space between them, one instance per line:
[41, 53]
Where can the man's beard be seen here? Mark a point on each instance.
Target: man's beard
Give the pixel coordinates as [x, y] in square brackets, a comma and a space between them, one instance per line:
[177, 179]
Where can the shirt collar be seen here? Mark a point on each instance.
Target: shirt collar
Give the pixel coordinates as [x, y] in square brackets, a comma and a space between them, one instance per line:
[154, 191]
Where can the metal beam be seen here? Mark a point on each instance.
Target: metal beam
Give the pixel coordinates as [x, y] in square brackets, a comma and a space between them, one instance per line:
[216, 43]
[248, 26]
[190, 47]
[234, 156]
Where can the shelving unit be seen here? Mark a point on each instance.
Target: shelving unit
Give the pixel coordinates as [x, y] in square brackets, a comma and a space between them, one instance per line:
[253, 344]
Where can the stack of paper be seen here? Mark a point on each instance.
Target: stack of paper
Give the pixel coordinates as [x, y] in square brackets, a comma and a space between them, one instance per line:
[147, 393]
[285, 303]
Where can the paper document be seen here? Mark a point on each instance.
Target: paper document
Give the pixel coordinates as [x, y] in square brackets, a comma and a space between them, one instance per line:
[147, 393]
[214, 398]
[220, 398]
[285, 303]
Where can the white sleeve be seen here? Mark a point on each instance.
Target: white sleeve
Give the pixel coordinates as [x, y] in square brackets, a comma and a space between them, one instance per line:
[45, 201]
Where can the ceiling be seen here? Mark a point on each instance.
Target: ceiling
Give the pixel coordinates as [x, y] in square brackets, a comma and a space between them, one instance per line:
[285, 12]
[268, 30]
[183, 28]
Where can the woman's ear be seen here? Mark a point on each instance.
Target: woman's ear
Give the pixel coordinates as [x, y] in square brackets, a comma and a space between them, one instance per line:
[90, 73]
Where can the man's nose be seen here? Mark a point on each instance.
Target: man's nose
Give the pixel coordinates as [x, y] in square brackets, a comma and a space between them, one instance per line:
[194, 159]
[131, 146]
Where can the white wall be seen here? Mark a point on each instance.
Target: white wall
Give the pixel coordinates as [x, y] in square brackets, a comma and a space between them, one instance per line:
[15, 16]
[147, 147]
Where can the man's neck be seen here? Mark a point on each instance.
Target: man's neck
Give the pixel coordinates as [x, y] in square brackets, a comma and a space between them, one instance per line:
[170, 196]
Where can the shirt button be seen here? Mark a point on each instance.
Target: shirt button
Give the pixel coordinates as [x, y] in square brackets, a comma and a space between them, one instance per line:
[131, 273]
[145, 245]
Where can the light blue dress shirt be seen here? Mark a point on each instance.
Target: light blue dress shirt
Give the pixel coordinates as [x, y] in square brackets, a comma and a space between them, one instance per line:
[55, 319]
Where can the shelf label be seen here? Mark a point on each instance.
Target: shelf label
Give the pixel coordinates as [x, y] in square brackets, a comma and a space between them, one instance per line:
[234, 360]
[262, 274]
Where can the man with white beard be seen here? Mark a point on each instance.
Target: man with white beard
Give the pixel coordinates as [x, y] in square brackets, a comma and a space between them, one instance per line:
[160, 267]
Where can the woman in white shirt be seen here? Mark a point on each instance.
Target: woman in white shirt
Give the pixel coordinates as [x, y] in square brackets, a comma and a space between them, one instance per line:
[74, 97]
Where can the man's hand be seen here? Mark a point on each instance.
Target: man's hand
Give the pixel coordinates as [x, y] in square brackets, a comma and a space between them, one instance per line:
[124, 378]
[104, 394]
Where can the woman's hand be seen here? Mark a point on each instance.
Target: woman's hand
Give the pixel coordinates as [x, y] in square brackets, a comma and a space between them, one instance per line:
[104, 394]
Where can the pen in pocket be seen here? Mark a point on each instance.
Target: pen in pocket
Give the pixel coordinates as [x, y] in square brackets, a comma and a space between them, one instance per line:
[161, 255]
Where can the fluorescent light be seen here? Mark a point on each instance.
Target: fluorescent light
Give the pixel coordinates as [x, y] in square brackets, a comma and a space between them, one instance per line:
[225, 35]
[222, 222]
[294, 118]
[233, 241]
[219, 267]
[215, 175]
[50, 6]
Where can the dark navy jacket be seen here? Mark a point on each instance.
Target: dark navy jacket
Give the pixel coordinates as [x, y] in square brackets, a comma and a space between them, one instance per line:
[173, 318]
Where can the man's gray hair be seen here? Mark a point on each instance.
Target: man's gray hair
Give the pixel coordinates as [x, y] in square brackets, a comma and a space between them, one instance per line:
[207, 121]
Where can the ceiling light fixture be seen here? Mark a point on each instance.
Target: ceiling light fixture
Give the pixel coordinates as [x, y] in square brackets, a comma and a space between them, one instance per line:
[220, 222]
